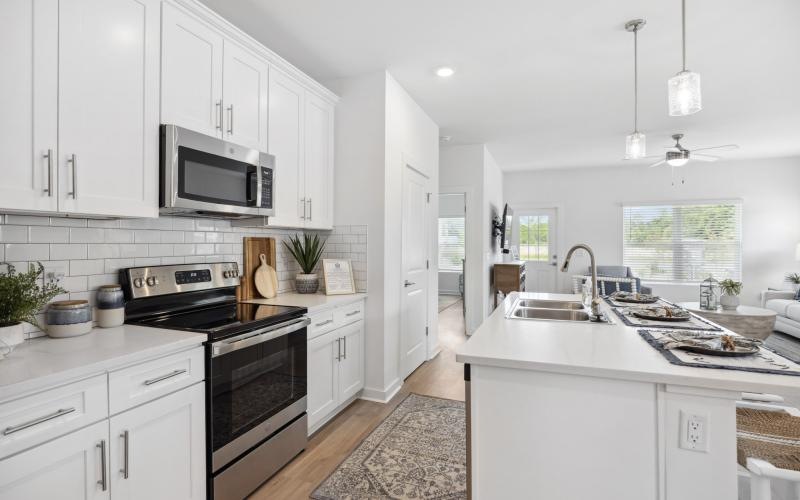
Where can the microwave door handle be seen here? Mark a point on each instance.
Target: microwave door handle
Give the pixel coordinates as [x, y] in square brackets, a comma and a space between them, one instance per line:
[252, 188]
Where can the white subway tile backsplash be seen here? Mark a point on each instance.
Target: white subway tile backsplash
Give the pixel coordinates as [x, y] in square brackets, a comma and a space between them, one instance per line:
[114, 265]
[67, 222]
[133, 250]
[117, 236]
[146, 261]
[147, 236]
[171, 236]
[97, 280]
[86, 235]
[194, 237]
[160, 250]
[214, 237]
[184, 249]
[171, 261]
[44, 234]
[204, 248]
[14, 234]
[103, 251]
[27, 251]
[182, 223]
[86, 267]
[67, 251]
[106, 224]
[74, 283]
[27, 220]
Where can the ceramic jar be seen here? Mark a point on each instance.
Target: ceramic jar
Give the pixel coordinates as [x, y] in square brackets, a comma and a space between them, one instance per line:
[110, 306]
[68, 318]
[306, 283]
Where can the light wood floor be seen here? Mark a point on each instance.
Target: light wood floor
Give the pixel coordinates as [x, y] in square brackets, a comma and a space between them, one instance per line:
[442, 377]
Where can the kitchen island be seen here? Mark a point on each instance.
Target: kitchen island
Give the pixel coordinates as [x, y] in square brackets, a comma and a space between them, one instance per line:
[577, 410]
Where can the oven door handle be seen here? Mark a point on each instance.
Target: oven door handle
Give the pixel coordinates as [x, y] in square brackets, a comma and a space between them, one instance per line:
[257, 337]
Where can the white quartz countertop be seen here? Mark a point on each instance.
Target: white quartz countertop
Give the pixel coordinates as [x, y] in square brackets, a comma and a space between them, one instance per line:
[314, 302]
[45, 362]
[595, 349]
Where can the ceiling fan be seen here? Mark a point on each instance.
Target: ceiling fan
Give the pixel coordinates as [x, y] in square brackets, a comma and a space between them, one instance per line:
[678, 155]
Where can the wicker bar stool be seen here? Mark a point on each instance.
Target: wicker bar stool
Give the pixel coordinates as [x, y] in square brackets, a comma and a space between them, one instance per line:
[768, 441]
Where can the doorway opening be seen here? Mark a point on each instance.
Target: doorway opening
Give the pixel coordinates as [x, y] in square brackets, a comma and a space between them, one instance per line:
[452, 265]
[536, 235]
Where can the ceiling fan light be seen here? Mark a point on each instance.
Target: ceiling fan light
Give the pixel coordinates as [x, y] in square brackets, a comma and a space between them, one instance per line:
[635, 146]
[677, 162]
[684, 94]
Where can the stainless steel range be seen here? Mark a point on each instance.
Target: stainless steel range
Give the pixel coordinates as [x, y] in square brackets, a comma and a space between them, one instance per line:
[255, 367]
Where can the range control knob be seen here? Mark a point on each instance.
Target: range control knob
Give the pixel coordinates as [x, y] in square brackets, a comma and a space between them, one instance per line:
[152, 281]
[226, 274]
[137, 282]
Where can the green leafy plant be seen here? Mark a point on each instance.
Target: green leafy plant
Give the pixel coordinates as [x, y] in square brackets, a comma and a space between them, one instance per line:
[306, 252]
[793, 278]
[730, 287]
[21, 297]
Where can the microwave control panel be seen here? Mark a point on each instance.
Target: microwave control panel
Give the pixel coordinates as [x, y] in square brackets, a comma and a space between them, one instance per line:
[266, 187]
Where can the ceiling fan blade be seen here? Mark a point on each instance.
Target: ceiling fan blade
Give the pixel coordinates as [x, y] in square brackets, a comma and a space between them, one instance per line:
[657, 163]
[703, 157]
[724, 147]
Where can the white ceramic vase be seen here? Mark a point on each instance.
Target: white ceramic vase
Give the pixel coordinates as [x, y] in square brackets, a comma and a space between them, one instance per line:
[729, 302]
[10, 337]
[306, 283]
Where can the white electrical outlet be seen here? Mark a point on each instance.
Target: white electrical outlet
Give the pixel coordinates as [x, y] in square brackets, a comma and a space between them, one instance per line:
[694, 431]
[54, 275]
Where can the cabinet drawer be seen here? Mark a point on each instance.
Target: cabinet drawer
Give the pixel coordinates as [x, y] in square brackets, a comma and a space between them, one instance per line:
[139, 384]
[348, 314]
[37, 418]
[321, 322]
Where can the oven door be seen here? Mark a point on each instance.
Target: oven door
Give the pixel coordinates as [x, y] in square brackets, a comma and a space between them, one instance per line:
[257, 384]
[208, 175]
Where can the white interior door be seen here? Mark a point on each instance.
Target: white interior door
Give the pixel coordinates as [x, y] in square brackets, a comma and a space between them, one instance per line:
[244, 89]
[29, 100]
[414, 299]
[537, 236]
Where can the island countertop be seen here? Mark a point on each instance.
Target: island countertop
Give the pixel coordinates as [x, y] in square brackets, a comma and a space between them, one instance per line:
[613, 351]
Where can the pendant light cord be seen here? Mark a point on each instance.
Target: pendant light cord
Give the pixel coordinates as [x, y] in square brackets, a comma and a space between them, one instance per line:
[636, 79]
[683, 31]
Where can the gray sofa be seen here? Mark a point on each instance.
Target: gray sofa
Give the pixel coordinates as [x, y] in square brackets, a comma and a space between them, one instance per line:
[787, 307]
[619, 272]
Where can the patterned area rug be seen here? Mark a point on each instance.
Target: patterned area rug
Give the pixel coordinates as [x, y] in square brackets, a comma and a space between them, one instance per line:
[417, 452]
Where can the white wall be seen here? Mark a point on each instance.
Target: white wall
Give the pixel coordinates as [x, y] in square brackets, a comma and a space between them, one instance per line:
[471, 169]
[591, 204]
[378, 125]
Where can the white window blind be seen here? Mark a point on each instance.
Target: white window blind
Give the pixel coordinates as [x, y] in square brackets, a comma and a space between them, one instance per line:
[683, 243]
[451, 243]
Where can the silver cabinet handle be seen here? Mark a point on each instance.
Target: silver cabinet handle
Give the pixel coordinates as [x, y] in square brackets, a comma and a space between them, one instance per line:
[49, 157]
[36, 421]
[303, 201]
[338, 349]
[353, 313]
[309, 209]
[164, 377]
[218, 105]
[409, 283]
[344, 339]
[103, 482]
[124, 435]
[230, 119]
[74, 161]
[326, 322]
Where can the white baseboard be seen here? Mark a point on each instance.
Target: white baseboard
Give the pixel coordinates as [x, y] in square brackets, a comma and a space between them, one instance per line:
[382, 396]
[319, 425]
[435, 351]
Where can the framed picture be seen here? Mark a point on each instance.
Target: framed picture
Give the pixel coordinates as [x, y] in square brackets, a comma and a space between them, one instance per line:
[338, 275]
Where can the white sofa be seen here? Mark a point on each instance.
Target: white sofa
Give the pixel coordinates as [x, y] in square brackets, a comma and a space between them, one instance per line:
[788, 309]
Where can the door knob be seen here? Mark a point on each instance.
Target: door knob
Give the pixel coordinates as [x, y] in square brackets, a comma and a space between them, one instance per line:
[408, 283]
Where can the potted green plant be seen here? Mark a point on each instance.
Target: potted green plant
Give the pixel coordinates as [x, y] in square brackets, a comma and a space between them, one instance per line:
[730, 294]
[21, 297]
[307, 254]
[794, 279]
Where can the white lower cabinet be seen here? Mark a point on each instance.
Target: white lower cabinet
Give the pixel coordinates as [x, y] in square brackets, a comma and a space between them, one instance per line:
[158, 449]
[68, 468]
[335, 371]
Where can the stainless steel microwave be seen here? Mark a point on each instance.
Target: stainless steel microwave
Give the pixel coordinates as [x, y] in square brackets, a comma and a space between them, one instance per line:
[206, 176]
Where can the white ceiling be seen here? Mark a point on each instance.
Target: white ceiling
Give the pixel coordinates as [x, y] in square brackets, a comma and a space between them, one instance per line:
[549, 84]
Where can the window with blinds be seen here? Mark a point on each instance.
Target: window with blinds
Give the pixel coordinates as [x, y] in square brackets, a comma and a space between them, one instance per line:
[683, 243]
[451, 243]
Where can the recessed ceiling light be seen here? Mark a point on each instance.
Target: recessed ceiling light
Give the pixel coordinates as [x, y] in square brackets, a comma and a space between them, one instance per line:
[445, 71]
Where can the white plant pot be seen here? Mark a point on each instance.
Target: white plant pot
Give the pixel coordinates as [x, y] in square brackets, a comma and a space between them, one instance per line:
[10, 337]
[795, 287]
[729, 302]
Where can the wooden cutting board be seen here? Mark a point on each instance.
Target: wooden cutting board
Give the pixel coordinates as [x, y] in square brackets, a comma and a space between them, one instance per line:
[252, 248]
[266, 279]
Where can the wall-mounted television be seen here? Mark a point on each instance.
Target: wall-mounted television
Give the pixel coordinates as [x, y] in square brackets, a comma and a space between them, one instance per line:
[506, 223]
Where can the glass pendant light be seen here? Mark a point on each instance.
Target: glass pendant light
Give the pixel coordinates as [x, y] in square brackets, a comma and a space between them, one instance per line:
[684, 88]
[635, 144]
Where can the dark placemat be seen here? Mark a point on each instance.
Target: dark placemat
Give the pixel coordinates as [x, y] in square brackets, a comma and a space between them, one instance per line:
[677, 325]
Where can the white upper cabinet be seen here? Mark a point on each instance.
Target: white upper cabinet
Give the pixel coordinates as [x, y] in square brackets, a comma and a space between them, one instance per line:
[29, 100]
[191, 73]
[318, 162]
[108, 107]
[286, 132]
[245, 88]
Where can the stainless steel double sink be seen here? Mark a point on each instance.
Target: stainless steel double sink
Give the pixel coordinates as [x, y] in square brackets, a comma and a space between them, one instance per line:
[549, 310]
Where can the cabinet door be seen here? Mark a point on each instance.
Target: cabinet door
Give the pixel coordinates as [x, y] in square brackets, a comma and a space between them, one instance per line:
[245, 86]
[351, 367]
[67, 468]
[323, 377]
[191, 73]
[29, 100]
[108, 107]
[162, 456]
[318, 162]
[286, 144]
